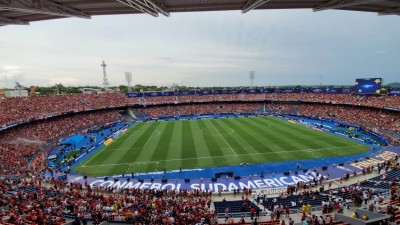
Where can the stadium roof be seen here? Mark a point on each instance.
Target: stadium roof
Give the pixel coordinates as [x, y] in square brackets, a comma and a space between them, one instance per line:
[22, 12]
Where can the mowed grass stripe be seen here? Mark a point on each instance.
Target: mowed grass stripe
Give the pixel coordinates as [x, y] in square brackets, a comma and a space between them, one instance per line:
[129, 153]
[253, 135]
[132, 150]
[121, 141]
[210, 141]
[268, 136]
[240, 143]
[150, 154]
[238, 138]
[131, 160]
[212, 137]
[311, 136]
[250, 153]
[175, 147]
[260, 134]
[321, 139]
[188, 147]
[282, 146]
[199, 141]
[299, 136]
[325, 138]
[340, 146]
[142, 140]
[206, 143]
[224, 145]
[276, 141]
[160, 151]
[295, 136]
[295, 129]
[264, 152]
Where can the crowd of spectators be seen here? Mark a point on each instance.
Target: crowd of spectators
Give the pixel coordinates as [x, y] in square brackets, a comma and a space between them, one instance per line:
[366, 117]
[18, 144]
[27, 138]
[47, 201]
[23, 109]
[361, 100]
[40, 201]
[193, 109]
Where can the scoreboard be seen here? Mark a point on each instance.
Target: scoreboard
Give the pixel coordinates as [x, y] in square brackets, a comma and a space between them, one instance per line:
[368, 86]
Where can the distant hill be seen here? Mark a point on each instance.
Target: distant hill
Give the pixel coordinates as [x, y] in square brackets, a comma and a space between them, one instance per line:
[397, 84]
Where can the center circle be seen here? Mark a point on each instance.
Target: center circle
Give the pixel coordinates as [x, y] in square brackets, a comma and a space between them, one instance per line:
[215, 132]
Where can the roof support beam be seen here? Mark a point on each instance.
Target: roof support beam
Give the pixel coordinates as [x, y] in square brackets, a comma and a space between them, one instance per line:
[337, 4]
[46, 7]
[252, 4]
[393, 11]
[10, 21]
[151, 7]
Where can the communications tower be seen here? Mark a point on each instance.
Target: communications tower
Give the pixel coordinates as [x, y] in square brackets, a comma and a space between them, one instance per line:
[105, 81]
[252, 76]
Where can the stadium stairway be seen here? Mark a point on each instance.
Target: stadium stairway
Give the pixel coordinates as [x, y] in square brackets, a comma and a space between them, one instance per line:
[30, 190]
[377, 182]
[287, 201]
[278, 222]
[339, 223]
[235, 207]
[259, 223]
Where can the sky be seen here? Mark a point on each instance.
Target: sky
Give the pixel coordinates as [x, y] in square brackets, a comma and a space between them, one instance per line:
[283, 47]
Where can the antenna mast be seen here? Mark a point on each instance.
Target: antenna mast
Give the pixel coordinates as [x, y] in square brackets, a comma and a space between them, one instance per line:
[105, 81]
[252, 76]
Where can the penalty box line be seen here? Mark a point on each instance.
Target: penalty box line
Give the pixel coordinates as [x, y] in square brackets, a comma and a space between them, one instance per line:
[144, 146]
[222, 156]
[106, 147]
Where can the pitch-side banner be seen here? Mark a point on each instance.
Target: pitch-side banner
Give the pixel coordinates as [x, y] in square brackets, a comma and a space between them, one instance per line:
[257, 182]
[222, 184]
[241, 91]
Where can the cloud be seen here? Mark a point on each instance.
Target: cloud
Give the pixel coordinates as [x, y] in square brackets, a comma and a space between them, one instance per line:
[10, 70]
[205, 49]
[66, 81]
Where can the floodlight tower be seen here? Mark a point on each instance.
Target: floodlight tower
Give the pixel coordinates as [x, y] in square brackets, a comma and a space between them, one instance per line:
[105, 81]
[128, 79]
[252, 76]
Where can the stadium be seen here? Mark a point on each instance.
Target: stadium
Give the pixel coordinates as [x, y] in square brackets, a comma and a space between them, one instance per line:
[241, 155]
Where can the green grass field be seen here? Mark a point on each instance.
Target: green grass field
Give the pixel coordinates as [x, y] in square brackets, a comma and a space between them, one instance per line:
[153, 146]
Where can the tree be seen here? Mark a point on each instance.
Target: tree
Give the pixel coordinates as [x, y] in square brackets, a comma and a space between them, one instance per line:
[123, 89]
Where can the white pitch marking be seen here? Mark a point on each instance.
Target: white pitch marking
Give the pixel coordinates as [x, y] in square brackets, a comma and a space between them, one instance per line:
[223, 138]
[205, 129]
[94, 156]
[151, 136]
[166, 160]
[103, 150]
[260, 153]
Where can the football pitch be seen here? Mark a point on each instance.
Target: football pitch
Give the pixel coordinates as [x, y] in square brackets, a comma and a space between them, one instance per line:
[190, 144]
